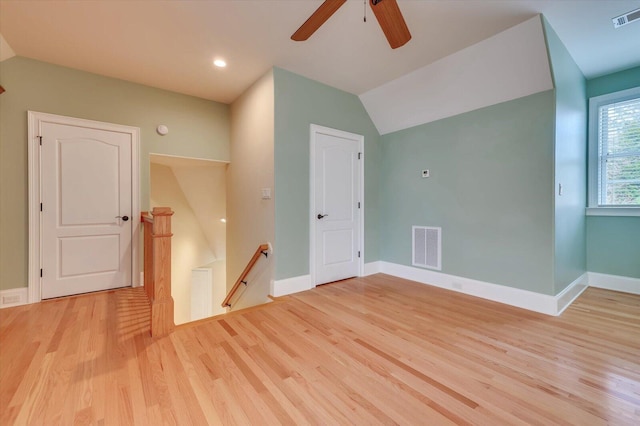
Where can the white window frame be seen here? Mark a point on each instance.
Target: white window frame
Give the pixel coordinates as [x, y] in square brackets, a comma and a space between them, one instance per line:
[594, 208]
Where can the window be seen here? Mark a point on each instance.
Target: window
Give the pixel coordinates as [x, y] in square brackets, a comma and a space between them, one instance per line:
[614, 145]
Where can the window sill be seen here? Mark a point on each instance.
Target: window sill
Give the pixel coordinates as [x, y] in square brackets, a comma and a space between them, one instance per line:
[613, 211]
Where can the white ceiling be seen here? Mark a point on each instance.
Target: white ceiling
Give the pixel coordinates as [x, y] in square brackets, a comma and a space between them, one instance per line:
[170, 44]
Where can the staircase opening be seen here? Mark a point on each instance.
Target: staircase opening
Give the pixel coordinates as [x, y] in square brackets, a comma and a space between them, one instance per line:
[196, 191]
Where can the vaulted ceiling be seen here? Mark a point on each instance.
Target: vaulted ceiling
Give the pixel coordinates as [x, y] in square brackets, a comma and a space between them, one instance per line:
[171, 44]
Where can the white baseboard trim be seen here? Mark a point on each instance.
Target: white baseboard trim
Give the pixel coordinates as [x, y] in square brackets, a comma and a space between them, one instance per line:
[303, 282]
[566, 297]
[291, 285]
[14, 297]
[545, 304]
[614, 282]
[371, 268]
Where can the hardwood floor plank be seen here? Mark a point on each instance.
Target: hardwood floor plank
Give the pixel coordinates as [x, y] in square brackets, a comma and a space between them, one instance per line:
[374, 350]
[468, 402]
[302, 413]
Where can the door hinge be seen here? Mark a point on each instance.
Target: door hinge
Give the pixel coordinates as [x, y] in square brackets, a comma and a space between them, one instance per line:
[358, 254]
[40, 137]
[40, 273]
[359, 154]
[358, 204]
[40, 206]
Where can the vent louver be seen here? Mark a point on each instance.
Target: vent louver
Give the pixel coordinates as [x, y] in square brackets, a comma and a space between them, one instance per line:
[627, 18]
[427, 247]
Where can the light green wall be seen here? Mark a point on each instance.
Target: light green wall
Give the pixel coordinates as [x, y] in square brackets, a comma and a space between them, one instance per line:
[613, 243]
[300, 102]
[489, 190]
[570, 163]
[197, 128]
[614, 82]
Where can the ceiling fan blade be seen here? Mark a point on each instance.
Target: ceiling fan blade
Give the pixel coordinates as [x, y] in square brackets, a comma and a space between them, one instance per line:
[316, 20]
[391, 21]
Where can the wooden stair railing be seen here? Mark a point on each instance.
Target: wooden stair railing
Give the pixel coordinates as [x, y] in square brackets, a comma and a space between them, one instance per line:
[157, 269]
[263, 249]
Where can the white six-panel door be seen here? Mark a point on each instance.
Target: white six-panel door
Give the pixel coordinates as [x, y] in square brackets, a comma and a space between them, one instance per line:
[337, 204]
[86, 219]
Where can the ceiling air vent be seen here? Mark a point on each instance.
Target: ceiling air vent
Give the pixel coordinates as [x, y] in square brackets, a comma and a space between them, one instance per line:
[627, 18]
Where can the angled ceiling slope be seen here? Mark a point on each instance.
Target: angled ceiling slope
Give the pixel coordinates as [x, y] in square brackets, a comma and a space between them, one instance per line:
[6, 51]
[507, 66]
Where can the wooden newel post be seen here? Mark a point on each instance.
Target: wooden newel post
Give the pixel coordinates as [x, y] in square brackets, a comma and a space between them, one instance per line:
[161, 301]
[147, 221]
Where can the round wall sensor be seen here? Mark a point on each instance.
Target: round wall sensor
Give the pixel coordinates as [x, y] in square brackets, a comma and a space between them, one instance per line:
[162, 130]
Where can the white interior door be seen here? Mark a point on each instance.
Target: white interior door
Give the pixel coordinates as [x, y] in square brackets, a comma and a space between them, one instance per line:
[86, 193]
[337, 205]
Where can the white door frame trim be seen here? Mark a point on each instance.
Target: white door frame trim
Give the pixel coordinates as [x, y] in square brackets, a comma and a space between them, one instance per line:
[313, 131]
[35, 120]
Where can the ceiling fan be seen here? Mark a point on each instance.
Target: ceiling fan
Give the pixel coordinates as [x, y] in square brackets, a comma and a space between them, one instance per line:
[387, 13]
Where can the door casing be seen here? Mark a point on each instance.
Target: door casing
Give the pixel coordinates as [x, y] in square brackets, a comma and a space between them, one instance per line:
[315, 130]
[35, 119]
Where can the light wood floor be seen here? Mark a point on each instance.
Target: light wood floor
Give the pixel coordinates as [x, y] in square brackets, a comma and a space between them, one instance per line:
[377, 350]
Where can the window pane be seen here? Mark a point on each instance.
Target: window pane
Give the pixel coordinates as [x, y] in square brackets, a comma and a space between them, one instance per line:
[619, 150]
[620, 127]
[626, 142]
[623, 193]
[623, 168]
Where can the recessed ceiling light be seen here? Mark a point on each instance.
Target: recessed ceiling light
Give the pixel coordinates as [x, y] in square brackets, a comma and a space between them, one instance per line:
[223, 220]
[220, 63]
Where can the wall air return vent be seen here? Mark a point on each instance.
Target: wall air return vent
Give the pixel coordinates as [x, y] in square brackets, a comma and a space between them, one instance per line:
[627, 18]
[427, 247]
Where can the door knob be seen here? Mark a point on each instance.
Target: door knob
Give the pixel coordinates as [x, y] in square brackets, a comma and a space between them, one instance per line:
[124, 218]
[320, 216]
